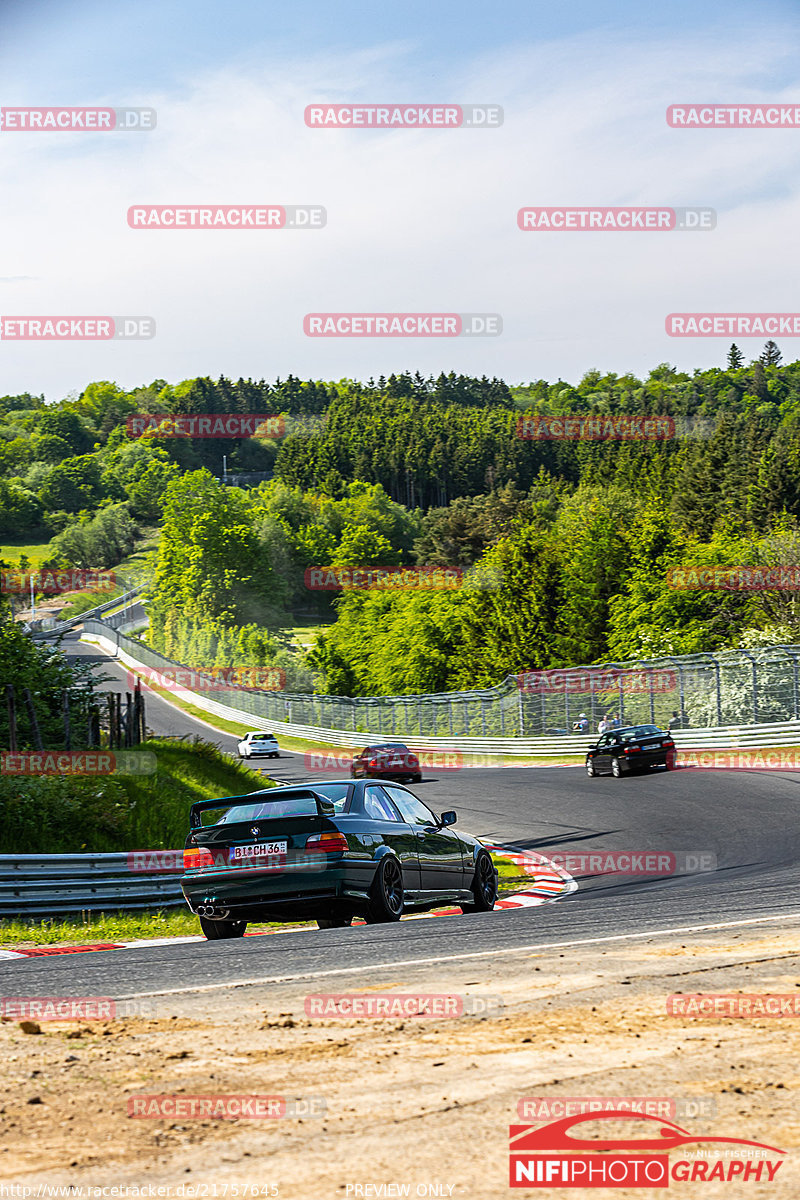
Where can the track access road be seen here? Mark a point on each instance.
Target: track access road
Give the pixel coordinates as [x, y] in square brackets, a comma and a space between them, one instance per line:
[746, 819]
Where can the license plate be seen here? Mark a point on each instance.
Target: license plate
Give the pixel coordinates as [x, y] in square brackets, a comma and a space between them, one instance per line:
[260, 850]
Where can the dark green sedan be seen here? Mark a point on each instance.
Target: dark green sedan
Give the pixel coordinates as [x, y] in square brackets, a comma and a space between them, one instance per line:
[328, 853]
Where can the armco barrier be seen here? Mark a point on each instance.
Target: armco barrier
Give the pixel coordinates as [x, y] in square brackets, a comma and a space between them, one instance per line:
[782, 733]
[49, 884]
[732, 688]
[60, 627]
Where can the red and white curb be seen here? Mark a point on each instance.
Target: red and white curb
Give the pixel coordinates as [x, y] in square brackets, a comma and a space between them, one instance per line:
[551, 883]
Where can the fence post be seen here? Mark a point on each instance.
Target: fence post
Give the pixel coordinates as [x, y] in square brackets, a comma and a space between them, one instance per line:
[37, 735]
[67, 730]
[754, 669]
[12, 718]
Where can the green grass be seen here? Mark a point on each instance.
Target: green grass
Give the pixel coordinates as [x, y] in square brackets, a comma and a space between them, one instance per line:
[509, 877]
[85, 814]
[305, 635]
[10, 552]
[81, 602]
[86, 928]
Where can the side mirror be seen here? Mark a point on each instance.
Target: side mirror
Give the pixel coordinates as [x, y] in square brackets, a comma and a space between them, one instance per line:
[448, 818]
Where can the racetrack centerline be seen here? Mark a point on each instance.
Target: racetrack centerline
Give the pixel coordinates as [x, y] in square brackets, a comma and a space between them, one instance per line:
[442, 958]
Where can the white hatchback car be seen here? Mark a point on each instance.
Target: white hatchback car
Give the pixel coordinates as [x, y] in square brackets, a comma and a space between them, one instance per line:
[258, 743]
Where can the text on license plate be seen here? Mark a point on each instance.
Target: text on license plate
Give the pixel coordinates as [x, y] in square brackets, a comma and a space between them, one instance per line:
[260, 850]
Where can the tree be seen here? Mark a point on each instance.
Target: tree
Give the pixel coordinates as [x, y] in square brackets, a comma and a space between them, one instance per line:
[73, 485]
[735, 358]
[770, 356]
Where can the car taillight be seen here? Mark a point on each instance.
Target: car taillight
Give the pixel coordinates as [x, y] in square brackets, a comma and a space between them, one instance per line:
[630, 749]
[327, 843]
[194, 860]
[668, 743]
[373, 762]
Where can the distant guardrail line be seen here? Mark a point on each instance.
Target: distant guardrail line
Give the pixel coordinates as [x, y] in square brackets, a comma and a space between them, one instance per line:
[507, 717]
[60, 627]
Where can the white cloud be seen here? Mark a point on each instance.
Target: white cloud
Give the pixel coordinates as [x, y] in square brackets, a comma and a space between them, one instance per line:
[417, 221]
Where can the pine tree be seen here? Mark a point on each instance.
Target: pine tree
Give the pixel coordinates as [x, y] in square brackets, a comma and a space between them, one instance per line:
[770, 355]
[735, 357]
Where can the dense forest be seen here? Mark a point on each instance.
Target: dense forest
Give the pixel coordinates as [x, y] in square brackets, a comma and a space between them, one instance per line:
[574, 538]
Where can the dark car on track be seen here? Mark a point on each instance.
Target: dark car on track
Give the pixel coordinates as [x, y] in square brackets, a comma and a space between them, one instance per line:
[630, 750]
[390, 760]
[328, 852]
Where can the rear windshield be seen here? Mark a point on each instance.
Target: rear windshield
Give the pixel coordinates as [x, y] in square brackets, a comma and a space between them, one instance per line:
[639, 731]
[388, 746]
[264, 808]
[263, 737]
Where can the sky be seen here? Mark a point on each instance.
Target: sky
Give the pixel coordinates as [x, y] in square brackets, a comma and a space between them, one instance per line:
[417, 221]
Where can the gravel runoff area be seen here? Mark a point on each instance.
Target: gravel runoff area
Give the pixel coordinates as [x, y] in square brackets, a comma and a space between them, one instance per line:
[404, 1105]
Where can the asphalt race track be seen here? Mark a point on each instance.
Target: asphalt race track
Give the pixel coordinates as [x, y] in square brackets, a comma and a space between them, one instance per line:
[747, 819]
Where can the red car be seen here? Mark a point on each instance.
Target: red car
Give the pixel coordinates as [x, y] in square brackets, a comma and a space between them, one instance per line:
[391, 760]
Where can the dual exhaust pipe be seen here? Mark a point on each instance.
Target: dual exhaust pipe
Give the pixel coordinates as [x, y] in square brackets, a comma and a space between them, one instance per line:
[211, 910]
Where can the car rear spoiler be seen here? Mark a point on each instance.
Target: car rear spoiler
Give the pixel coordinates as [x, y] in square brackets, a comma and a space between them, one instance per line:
[325, 807]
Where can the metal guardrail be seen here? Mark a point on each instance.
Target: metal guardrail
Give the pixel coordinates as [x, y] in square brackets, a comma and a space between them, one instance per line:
[60, 627]
[138, 656]
[730, 688]
[50, 884]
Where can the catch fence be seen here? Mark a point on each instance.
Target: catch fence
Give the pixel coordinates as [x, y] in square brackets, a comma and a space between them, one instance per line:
[734, 687]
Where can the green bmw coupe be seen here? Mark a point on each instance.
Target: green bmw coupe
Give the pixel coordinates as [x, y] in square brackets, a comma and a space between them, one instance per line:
[328, 853]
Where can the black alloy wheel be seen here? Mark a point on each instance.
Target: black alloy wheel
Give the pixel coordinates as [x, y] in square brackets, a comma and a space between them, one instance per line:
[386, 894]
